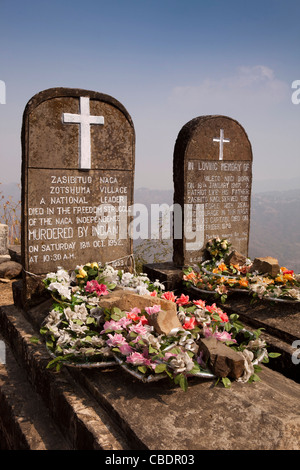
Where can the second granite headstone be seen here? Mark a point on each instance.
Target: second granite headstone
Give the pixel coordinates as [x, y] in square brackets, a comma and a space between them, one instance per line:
[212, 184]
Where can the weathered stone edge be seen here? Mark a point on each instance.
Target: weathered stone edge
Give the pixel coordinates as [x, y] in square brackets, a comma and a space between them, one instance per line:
[83, 421]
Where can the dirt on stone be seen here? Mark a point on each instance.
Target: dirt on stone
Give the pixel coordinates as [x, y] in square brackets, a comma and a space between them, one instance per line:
[6, 295]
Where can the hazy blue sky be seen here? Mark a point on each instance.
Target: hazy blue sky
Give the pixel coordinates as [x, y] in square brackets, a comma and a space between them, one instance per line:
[167, 62]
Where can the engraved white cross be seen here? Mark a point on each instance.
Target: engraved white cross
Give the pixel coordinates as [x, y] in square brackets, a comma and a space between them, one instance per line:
[85, 120]
[221, 140]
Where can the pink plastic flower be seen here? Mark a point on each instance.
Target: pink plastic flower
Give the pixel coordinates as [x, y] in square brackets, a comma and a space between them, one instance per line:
[94, 286]
[139, 329]
[124, 322]
[125, 349]
[151, 310]
[111, 325]
[115, 340]
[135, 310]
[219, 335]
[137, 359]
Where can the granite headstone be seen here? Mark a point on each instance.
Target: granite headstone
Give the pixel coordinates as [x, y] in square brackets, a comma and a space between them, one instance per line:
[78, 158]
[212, 184]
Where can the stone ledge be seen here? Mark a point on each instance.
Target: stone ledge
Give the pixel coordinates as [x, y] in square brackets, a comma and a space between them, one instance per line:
[260, 416]
[167, 273]
[25, 422]
[157, 416]
[78, 417]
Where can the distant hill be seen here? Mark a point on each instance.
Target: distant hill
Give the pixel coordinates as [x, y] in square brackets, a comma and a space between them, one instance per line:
[275, 227]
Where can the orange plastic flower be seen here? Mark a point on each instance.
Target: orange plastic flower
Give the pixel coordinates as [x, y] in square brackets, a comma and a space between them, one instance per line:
[288, 277]
[222, 267]
[190, 276]
[232, 281]
[243, 282]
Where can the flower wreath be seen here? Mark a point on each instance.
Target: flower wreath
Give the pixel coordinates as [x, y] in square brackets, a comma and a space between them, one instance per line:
[217, 277]
[78, 332]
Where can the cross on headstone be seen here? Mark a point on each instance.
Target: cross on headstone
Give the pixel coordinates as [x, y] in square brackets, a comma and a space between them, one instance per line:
[85, 120]
[221, 140]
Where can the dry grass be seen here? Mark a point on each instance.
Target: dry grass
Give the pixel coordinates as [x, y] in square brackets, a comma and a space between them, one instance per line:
[10, 215]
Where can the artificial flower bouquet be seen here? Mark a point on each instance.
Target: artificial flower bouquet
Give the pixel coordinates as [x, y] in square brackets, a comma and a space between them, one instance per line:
[217, 248]
[79, 332]
[220, 278]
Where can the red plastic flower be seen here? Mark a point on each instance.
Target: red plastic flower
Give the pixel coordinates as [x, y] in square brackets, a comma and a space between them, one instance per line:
[190, 324]
[200, 303]
[133, 314]
[287, 271]
[183, 300]
[169, 296]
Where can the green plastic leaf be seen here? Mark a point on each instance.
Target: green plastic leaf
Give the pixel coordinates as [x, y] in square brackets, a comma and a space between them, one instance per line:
[226, 382]
[160, 368]
[274, 354]
[194, 370]
[34, 340]
[183, 383]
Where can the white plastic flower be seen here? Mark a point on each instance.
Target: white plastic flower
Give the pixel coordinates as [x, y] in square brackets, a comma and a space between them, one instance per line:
[182, 363]
[64, 338]
[62, 288]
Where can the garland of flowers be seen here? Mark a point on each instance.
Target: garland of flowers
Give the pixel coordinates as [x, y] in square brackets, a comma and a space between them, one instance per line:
[78, 331]
[216, 276]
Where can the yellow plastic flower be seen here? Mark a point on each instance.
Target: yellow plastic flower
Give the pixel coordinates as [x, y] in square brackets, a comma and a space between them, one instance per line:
[82, 273]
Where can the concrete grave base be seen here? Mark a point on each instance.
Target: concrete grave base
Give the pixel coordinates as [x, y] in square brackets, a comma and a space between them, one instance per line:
[108, 409]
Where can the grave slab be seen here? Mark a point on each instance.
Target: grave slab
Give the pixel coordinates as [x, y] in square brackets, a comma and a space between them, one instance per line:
[157, 416]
